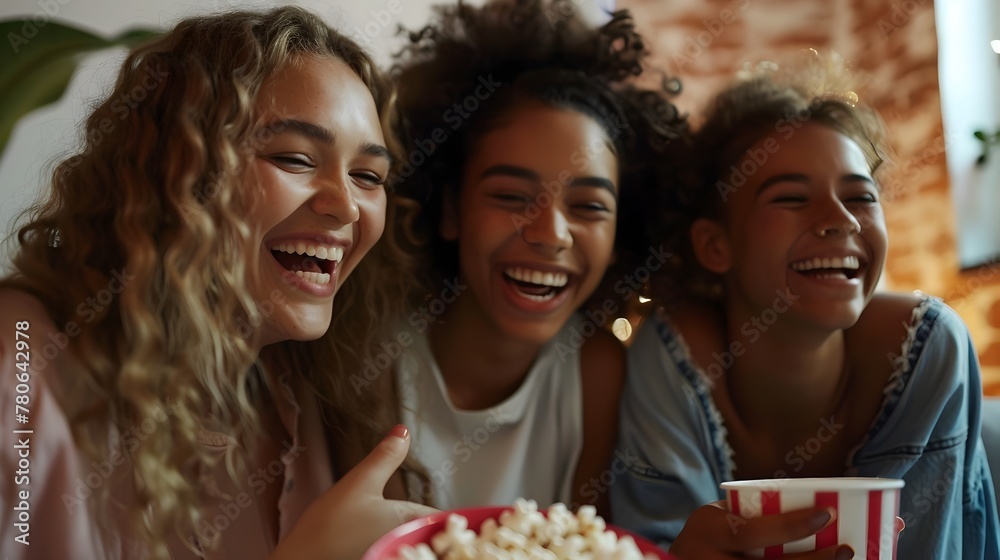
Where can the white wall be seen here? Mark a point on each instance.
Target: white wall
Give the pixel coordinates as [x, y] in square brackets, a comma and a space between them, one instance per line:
[969, 73]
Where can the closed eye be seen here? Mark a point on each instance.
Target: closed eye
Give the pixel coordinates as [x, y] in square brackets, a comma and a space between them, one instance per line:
[371, 180]
[793, 199]
[512, 197]
[292, 163]
[867, 198]
[593, 207]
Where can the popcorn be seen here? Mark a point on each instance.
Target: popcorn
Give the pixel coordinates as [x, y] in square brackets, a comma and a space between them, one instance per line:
[524, 533]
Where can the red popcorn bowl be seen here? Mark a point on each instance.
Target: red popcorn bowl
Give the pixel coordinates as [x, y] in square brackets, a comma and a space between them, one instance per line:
[421, 530]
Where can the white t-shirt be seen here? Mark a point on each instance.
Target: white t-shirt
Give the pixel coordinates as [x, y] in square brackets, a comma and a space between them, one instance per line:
[527, 446]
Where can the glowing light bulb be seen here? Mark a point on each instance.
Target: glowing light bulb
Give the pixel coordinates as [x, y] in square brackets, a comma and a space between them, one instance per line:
[644, 299]
[622, 328]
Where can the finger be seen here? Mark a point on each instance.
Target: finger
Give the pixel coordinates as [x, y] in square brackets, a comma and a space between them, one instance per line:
[407, 511]
[771, 530]
[842, 552]
[900, 525]
[374, 471]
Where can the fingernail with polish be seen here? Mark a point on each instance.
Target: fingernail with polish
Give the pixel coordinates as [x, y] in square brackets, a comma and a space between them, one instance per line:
[400, 431]
[844, 553]
[823, 518]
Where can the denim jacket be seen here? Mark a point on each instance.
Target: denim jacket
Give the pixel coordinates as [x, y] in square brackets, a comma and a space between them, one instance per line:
[926, 433]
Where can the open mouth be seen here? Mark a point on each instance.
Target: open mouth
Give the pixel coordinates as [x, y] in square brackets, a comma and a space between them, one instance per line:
[829, 268]
[310, 261]
[536, 285]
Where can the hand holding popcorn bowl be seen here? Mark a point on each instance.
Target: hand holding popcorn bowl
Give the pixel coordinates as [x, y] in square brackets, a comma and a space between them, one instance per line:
[517, 532]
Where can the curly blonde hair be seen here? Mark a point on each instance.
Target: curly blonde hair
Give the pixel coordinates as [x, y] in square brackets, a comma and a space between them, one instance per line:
[158, 195]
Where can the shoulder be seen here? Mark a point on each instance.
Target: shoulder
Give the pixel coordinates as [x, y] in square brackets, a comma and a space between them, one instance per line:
[24, 318]
[888, 311]
[602, 361]
[914, 321]
[17, 306]
[685, 338]
[896, 324]
[25, 328]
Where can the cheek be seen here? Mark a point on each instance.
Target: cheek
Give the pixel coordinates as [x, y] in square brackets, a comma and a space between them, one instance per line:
[372, 220]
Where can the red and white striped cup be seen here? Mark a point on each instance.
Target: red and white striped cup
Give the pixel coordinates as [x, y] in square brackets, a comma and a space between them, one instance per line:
[866, 511]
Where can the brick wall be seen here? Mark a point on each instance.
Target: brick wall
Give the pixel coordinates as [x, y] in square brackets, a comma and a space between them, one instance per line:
[894, 45]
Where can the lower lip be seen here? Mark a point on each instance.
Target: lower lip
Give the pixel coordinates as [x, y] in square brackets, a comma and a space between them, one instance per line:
[521, 303]
[301, 284]
[842, 283]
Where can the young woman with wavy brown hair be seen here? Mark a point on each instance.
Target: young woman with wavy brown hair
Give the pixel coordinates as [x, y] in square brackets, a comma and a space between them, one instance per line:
[170, 333]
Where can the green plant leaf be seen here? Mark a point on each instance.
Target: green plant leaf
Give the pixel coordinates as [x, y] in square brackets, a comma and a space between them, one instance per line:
[980, 135]
[37, 68]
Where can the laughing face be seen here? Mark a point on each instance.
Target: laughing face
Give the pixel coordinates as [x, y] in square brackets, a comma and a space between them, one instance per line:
[808, 221]
[321, 165]
[535, 220]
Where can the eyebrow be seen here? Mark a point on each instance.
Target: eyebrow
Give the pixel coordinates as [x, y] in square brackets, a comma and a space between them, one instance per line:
[804, 179]
[372, 149]
[326, 136]
[302, 127]
[532, 176]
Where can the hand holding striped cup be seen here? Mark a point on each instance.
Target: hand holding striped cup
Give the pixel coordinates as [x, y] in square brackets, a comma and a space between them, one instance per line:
[866, 511]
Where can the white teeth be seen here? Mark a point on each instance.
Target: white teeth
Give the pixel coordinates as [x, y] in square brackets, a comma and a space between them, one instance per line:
[552, 279]
[851, 263]
[533, 297]
[325, 252]
[314, 277]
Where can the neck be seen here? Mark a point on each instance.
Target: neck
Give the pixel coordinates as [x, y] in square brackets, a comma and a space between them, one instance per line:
[787, 374]
[481, 365]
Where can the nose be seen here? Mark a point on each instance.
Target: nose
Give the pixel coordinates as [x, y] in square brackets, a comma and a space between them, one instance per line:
[836, 219]
[550, 230]
[334, 198]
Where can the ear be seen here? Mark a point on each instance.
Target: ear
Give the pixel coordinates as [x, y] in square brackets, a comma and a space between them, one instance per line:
[448, 228]
[711, 246]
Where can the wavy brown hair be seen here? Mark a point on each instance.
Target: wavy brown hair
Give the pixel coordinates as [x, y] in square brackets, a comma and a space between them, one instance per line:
[158, 195]
[540, 50]
[809, 88]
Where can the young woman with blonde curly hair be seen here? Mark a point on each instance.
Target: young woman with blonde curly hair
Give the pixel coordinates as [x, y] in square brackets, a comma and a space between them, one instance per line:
[170, 333]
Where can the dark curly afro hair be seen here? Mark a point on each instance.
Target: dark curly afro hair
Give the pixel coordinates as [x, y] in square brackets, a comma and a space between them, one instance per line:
[460, 73]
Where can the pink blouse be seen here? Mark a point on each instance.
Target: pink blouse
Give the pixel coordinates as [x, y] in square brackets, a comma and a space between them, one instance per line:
[45, 481]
